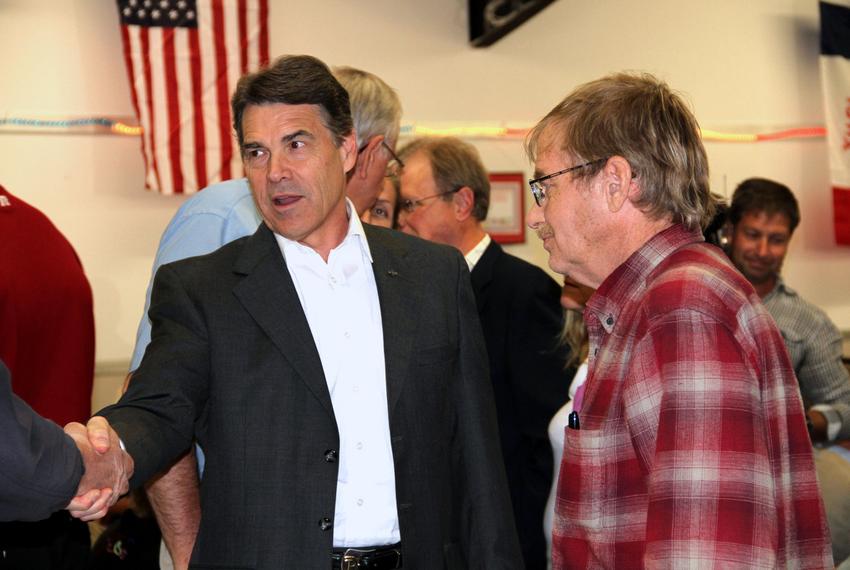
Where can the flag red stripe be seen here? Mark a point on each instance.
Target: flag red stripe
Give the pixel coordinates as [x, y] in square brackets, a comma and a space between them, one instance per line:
[131, 76]
[841, 212]
[242, 10]
[222, 90]
[197, 110]
[149, 128]
[166, 107]
[264, 33]
[173, 108]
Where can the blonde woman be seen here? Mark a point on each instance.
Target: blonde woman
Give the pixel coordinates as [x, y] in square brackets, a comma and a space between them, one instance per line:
[574, 335]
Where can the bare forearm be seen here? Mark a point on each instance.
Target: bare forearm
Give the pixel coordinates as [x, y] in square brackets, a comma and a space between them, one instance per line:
[175, 499]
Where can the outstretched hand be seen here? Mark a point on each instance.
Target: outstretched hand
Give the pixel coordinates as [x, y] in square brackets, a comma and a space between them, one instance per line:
[108, 468]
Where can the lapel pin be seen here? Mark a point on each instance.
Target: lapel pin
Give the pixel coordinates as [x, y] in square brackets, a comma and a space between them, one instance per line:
[392, 273]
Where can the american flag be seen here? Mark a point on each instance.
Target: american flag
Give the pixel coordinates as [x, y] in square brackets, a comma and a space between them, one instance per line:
[183, 59]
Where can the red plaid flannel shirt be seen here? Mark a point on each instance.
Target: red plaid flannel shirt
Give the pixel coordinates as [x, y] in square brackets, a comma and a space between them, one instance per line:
[693, 450]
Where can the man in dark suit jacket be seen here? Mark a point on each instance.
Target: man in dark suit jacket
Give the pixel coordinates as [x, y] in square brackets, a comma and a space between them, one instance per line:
[445, 195]
[251, 354]
[41, 468]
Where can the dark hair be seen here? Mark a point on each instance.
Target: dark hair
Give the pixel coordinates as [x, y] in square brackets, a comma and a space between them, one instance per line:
[715, 232]
[454, 164]
[763, 195]
[295, 80]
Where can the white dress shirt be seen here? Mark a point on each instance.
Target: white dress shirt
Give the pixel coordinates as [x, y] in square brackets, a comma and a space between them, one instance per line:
[340, 300]
[474, 255]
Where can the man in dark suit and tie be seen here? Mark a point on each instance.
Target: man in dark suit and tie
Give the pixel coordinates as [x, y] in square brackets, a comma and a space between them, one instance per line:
[332, 372]
[445, 194]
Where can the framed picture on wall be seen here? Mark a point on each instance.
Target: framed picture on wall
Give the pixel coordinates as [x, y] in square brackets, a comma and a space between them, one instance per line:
[506, 218]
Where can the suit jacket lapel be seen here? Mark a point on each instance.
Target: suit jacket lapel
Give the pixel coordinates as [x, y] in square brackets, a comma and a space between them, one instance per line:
[269, 296]
[397, 291]
[482, 274]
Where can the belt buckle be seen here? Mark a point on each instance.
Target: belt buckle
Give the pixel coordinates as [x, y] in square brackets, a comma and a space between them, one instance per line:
[351, 559]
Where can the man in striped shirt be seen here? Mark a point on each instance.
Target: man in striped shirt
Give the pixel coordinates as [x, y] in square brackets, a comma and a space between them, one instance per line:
[762, 218]
[689, 446]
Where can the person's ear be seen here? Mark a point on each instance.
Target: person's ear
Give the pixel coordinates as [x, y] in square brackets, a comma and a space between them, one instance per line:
[348, 151]
[728, 234]
[464, 202]
[367, 157]
[618, 183]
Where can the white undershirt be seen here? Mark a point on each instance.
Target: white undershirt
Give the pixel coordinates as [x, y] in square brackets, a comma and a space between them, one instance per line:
[340, 300]
[474, 255]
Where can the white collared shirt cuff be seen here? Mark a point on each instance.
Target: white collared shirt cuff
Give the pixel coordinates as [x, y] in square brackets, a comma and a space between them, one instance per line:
[833, 420]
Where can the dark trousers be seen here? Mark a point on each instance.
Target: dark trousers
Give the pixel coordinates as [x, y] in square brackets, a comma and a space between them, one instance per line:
[58, 543]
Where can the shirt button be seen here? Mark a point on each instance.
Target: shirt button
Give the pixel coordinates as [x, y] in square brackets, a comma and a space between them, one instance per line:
[346, 334]
[325, 523]
[610, 320]
[359, 445]
[359, 502]
[330, 455]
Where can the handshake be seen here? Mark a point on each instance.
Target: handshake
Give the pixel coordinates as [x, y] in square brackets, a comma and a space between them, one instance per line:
[108, 468]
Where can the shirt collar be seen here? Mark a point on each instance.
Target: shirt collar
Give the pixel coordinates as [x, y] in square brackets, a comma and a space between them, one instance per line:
[780, 288]
[474, 254]
[628, 281]
[355, 232]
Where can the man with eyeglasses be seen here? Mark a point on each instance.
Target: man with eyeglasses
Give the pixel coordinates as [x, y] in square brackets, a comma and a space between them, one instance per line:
[445, 194]
[689, 445]
[225, 212]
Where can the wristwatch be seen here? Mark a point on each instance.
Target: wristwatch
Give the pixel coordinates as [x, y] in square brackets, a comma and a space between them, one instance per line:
[833, 420]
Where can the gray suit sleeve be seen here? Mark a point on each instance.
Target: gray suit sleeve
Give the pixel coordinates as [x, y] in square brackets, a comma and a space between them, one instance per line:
[40, 466]
[488, 532]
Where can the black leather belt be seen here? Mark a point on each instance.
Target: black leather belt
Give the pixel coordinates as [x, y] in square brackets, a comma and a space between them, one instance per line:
[377, 558]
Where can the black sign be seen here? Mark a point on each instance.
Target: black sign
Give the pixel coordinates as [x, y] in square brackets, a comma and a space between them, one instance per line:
[490, 20]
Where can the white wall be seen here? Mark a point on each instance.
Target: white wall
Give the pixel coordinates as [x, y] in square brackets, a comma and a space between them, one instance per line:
[750, 66]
